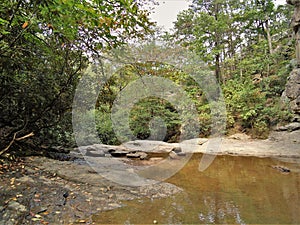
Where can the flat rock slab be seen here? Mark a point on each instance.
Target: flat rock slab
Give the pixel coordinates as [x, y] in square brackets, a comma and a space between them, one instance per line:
[150, 146]
[63, 192]
[283, 144]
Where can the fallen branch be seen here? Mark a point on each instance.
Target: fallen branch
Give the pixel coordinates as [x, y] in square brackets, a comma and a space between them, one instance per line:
[24, 137]
[15, 139]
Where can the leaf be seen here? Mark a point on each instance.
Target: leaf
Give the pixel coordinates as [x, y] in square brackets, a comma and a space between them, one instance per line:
[25, 24]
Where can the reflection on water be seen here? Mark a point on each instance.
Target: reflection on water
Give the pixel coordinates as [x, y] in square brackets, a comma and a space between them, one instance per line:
[233, 190]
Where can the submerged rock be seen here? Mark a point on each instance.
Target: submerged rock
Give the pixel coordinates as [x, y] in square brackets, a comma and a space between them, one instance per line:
[282, 169]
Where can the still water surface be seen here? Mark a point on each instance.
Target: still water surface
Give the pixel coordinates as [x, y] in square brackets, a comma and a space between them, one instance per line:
[233, 190]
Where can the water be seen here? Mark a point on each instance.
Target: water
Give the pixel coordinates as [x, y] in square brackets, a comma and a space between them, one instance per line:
[233, 190]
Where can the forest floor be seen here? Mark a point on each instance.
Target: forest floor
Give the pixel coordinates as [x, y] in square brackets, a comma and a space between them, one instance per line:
[39, 190]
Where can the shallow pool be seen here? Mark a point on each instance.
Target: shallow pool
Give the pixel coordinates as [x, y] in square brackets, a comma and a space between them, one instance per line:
[233, 190]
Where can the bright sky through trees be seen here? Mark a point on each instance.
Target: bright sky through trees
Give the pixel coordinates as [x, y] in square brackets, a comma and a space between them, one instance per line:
[166, 13]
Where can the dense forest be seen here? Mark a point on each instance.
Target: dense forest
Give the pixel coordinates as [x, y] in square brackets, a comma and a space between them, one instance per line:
[47, 46]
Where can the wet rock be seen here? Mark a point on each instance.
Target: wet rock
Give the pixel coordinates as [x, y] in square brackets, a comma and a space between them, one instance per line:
[282, 169]
[174, 155]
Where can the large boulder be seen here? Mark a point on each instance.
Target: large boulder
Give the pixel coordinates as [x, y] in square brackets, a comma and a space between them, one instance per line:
[292, 90]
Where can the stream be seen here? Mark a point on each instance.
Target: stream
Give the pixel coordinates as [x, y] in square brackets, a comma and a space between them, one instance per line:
[233, 190]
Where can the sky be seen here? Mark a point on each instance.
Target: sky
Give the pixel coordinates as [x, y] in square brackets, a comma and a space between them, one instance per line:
[166, 13]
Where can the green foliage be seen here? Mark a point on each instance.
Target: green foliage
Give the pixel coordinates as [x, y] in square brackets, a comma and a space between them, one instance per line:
[248, 106]
[250, 48]
[43, 48]
[143, 113]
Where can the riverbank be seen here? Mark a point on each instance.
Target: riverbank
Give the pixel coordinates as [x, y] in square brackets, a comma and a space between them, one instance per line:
[39, 190]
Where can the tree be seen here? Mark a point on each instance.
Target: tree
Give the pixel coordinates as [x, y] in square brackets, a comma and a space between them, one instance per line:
[248, 44]
[44, 46]
[211, 27]
[221, 30]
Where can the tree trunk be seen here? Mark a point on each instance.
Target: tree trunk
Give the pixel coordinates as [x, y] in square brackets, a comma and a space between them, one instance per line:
[218, 68]
[267, 30]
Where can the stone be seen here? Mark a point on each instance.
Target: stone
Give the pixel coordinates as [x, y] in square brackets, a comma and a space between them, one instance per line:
[119, 153]
[292, 86]
[181, 154]
[296, 119]
[177, 149]
[143, 155]
[17, 206]
[202, 141]
[239, 136]
[282, 169]
[91, 153]
[173, 155]
[289, 127]
[135, 155]
[292, 91]
[149, 146]
[59, 149]
[25, 179]
[156, 159]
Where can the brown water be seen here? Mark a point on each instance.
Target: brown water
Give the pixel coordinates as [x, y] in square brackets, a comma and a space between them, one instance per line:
[233, 190]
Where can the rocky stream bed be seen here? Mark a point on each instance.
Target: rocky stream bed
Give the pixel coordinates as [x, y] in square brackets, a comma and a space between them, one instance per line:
[40, 190]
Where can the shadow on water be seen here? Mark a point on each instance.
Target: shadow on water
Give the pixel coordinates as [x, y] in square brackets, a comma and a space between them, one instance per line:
[233, 190]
